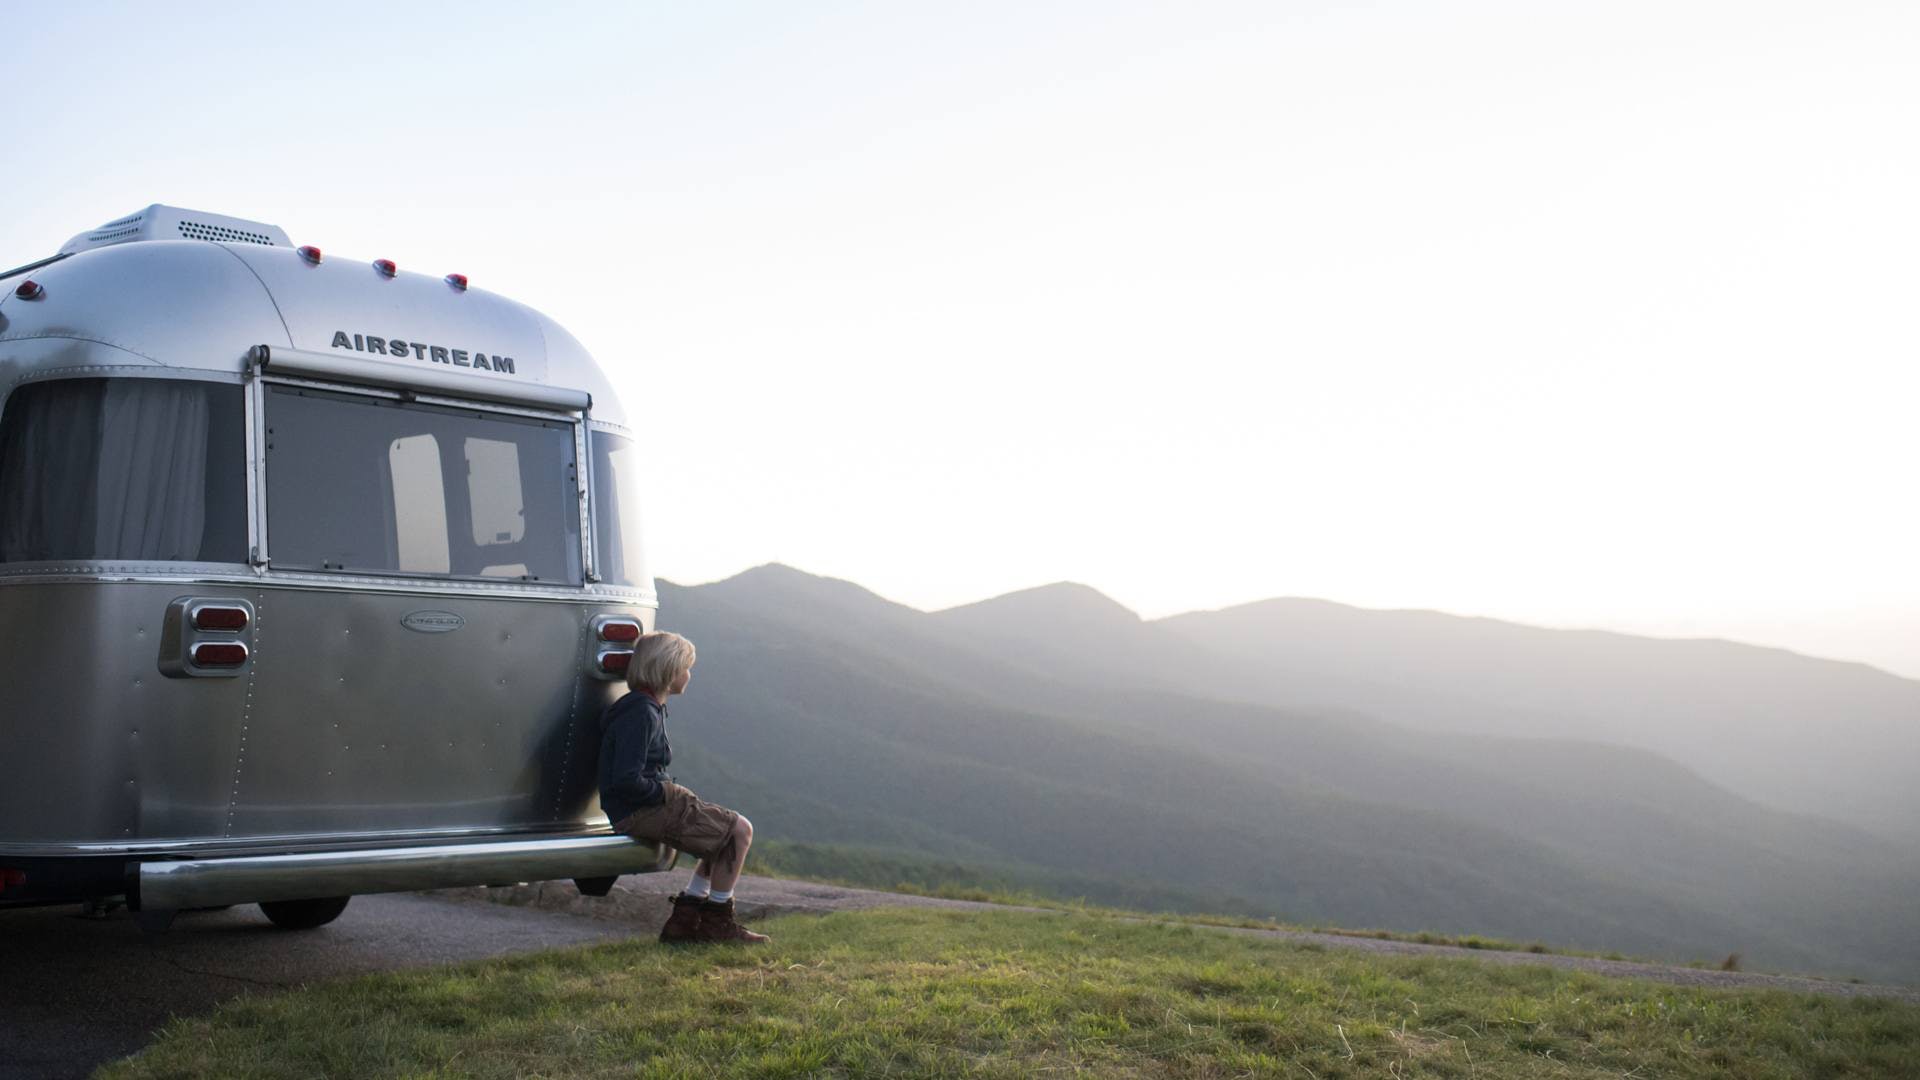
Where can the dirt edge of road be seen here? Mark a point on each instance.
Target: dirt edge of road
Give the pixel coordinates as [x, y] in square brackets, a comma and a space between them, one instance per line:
[643, 898]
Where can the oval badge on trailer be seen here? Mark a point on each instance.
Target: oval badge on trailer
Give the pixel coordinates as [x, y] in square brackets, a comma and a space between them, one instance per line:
[433, 622]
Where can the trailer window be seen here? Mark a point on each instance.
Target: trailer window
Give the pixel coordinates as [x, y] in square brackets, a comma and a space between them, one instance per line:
[616, 511]
[366, 484]
[152, 470]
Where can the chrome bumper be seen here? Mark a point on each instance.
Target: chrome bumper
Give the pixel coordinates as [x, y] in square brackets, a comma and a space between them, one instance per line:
[247, 879]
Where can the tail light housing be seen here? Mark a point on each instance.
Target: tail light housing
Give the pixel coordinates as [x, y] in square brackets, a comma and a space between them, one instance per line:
[611, 638]
[207, 637]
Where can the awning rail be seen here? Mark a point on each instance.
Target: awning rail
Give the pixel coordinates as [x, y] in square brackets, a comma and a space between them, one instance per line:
[421, 377]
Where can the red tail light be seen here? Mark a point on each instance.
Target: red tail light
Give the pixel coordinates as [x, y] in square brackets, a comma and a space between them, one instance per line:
[615, 663]
[219, 654]
[386, 267]
[220, 618]
[11, 878]
[310, 253]
[620, 631]
[458, 281]
[29, 290]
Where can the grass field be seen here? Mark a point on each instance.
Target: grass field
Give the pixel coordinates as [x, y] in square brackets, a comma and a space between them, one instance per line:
[922, 876]
[915, 993]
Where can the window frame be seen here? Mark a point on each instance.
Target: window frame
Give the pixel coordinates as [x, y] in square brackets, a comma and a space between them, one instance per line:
[261, 542]
[145, 372]
[589, 429]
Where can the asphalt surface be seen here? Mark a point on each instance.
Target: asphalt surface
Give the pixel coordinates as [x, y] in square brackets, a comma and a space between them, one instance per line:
[76, 993]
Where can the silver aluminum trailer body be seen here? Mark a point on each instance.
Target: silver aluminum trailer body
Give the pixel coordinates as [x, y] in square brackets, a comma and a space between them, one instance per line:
[306, 575]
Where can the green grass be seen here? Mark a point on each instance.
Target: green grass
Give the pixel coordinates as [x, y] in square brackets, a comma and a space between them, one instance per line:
[917, 993]
[916, 875]
[1006, 881]
[908, 872]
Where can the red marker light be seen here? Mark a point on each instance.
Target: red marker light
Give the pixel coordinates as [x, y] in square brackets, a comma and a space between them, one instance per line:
[10, 877]
[220, 618]
[30, 290]
[615, 663]
[458, 281]
[620, 631]
[219, 654]
[310, 253]
[386, 267]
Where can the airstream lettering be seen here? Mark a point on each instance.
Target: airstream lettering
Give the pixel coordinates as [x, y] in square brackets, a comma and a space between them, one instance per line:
[438, 354]
[236, 544]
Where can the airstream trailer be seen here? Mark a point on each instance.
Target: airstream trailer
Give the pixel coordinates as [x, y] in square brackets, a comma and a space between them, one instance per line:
[315, 575]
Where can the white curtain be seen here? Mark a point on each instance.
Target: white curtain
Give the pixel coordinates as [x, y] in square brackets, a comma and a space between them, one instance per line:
[104, 469]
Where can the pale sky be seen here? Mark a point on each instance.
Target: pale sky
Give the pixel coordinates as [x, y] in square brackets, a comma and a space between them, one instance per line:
[1601, 314]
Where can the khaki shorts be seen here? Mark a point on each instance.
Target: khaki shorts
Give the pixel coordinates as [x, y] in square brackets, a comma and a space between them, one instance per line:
[684, 821]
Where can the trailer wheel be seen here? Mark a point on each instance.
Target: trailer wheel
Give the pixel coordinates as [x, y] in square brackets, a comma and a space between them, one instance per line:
[304, 914]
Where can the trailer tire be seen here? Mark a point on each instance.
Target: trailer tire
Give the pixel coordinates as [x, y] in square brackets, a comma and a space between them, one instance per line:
[304, 914]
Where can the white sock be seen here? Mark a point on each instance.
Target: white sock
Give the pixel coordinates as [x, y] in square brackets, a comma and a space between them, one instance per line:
[699, 887]
[718, 897]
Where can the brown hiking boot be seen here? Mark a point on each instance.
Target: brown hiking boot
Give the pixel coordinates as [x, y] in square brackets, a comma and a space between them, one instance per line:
[717, 924]
[684, 923]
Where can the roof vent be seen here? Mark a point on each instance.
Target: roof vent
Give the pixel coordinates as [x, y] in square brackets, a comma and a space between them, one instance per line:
[158, 222]
[201, 230]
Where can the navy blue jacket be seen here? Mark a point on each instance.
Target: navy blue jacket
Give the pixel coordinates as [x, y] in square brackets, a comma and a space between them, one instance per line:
[633, 755]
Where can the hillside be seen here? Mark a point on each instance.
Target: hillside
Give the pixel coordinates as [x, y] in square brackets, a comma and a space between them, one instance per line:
[834, 716]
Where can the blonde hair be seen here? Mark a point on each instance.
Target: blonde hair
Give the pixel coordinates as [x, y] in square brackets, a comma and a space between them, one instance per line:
[658, 659]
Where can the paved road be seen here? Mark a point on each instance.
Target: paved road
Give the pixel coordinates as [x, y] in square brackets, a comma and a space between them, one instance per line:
[75, 992]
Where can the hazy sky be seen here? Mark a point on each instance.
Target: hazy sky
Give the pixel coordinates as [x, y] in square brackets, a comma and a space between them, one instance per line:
[1595, 314]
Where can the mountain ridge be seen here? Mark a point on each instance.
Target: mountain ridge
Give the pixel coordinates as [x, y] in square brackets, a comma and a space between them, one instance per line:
[908, 731]
[1280, 603]
[1067, 587]
[1805, 734]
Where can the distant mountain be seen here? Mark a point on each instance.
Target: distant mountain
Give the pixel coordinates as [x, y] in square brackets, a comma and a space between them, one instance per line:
[1053, 733]
[1815, 736]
